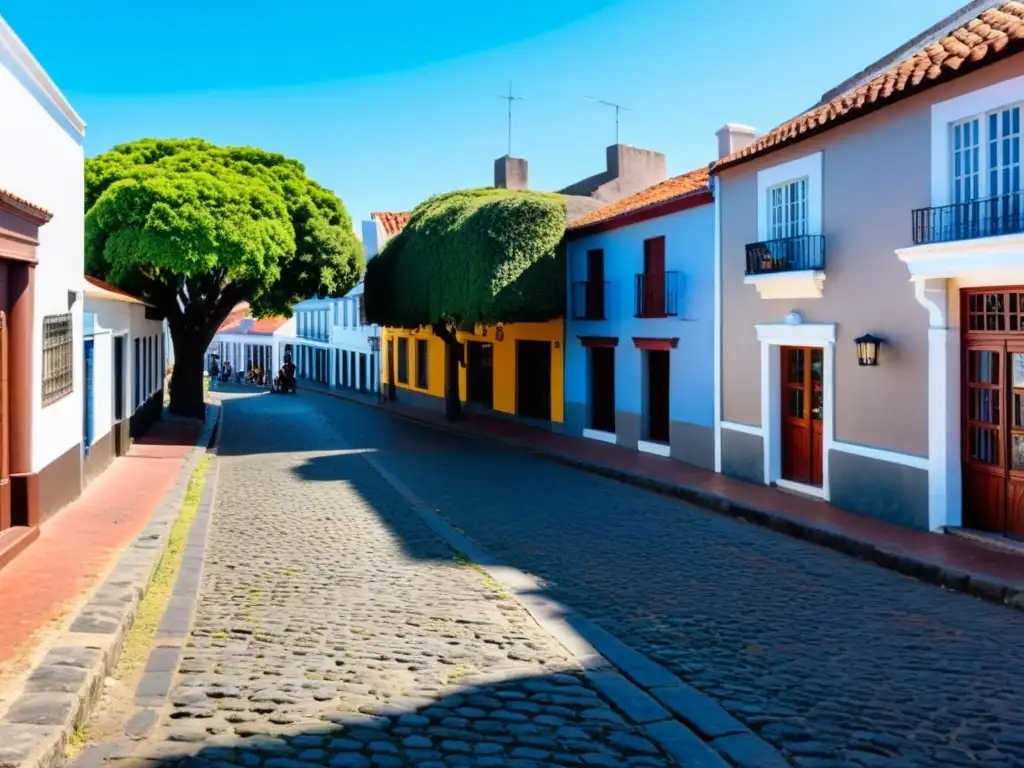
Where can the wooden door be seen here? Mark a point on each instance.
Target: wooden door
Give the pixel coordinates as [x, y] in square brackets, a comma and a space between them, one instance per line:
[658, 395]
[984, 460]
[595, 285]
[602, 388]
[802, 414]
[654, 277]
[5, 444]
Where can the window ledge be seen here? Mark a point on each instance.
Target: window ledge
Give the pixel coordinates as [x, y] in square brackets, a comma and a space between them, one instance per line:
[802, 284]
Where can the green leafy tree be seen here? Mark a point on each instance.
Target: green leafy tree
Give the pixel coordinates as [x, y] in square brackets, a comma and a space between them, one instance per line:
[196, 228]
[476, 256]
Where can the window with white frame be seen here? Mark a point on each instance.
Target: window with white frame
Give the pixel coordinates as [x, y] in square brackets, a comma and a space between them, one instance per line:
[985, 155]
[787, 210]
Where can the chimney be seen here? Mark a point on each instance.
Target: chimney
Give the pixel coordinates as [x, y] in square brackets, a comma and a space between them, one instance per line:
[733, 137]
[643, 167]
[511, 173]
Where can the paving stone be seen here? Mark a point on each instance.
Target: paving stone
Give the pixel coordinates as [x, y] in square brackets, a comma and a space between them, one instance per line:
[141, 724]
[745, 750]
[42, 709]
[56, 678]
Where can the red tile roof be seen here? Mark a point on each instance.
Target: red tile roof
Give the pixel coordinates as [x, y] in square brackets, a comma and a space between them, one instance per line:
[991, 36]
[263, 327]
[393, 223]
[112, 289]
[267, 326]
[676, 188]
[24, 206]
[233, 320]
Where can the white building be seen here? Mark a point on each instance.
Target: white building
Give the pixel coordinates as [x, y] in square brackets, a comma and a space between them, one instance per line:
[41, 282]
[331, 342]
[124, 364]
[245, 342]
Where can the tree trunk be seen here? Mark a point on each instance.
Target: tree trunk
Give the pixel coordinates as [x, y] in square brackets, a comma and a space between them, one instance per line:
[187, 396]
[452, 359]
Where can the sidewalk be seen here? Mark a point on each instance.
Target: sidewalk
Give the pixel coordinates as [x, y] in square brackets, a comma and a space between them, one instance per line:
[949, 561]
[78, 545]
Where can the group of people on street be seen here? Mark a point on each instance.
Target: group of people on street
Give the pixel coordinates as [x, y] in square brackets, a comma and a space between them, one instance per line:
[253, 374]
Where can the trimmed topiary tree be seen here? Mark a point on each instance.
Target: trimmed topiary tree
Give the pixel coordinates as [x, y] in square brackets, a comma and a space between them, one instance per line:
[194, 229]
[475, 256]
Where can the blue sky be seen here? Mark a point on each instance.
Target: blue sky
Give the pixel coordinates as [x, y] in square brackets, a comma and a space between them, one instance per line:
[388, 103]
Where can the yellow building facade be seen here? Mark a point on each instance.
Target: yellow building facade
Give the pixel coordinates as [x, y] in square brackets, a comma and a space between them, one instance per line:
[514, 369]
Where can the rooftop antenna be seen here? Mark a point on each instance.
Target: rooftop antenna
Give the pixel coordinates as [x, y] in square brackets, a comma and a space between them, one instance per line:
[510, 98]
[617, 107]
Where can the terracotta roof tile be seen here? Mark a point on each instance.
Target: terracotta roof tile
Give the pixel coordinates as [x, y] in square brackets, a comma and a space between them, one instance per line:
[25, 206]
[263, 327]
[233, 320]
[664, 192]
[106, 287]
[994, 33]
[267, 325]
[393, 223]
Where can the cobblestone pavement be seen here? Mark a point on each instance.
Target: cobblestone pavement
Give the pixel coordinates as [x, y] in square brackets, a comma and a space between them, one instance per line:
[835, 660]
[334, 628]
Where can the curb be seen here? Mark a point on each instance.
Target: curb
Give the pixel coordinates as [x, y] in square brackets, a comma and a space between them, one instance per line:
[175, 627]
[691, 727]
[891, 558]
[63, 690]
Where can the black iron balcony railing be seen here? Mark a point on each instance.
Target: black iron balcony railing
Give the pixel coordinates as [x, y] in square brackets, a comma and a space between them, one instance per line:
[657, 294]
[787, 254]
[1002, 215]
[589, 299]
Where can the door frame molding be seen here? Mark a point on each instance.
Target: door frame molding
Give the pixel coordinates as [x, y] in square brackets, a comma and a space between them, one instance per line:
[794, 332]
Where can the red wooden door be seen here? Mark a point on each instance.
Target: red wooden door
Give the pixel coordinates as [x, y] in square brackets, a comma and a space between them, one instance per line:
[802, 412]
[1015, 438]
[984, 437]
[595, 285]
[654, 277]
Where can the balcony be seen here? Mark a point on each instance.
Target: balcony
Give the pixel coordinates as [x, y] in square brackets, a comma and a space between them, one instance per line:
[656, 294]
[314, 335]
[994, 216]
[787, 268]
[589, 299]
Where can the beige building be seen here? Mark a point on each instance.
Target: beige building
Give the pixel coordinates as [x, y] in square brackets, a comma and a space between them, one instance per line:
[893, 210]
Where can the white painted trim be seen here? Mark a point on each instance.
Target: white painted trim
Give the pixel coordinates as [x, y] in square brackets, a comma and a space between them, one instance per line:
[598, 434]
[794, 333]
[715, 184]
[34, 70]
[806, 490]
[797, 334]
[944, 450]
[799, 284]
[975, 103]
[880, 454]
[809, 167]
[982, 261]
[658, 449]
[748, 429]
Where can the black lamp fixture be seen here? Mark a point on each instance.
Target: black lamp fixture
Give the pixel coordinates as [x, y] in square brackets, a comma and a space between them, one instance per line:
[374, 342]
[867, 349]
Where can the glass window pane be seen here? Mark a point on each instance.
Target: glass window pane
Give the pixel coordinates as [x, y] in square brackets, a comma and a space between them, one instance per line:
[796, 403]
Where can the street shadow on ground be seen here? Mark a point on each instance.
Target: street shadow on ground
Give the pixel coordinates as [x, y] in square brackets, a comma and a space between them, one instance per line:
[813, 650]
[519, 719]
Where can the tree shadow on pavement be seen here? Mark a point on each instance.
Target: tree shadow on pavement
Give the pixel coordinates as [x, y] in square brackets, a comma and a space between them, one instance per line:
[503, 718]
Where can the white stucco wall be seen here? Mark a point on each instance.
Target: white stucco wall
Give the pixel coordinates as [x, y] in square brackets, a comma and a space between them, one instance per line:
[112, 319]
[42, 161]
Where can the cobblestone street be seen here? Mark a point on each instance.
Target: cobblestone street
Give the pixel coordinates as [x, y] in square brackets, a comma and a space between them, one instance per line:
[835, 660]
[333, 627]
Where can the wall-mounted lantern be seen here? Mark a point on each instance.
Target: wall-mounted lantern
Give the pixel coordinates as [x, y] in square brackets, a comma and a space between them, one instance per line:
[499, 333]
[867, 349]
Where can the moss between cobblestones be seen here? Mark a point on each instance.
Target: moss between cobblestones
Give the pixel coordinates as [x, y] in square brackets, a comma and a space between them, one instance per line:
[490, 583]
[140, 637]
